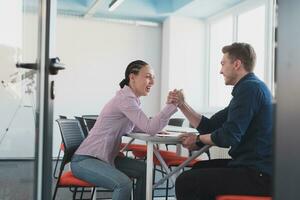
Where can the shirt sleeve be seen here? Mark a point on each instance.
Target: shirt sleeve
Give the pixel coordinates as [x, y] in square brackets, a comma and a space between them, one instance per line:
[241, 110]
[130, 108]
[209, 125]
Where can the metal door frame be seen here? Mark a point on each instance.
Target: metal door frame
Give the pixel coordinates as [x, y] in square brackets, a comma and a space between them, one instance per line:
[44, 110]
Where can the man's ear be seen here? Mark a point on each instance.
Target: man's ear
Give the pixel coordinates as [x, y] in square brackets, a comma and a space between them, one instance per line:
[237, 64]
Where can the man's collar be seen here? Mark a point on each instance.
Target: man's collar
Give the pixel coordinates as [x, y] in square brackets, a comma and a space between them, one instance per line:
[245, 77]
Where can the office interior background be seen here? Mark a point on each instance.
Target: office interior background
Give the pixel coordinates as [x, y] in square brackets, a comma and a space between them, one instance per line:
[181, 40]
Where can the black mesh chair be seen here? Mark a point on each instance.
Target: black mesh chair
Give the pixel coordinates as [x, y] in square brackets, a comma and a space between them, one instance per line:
[72, 136]
[176, 121]
[61, 149]
[83, 126]
[90, 116]
[90, 122]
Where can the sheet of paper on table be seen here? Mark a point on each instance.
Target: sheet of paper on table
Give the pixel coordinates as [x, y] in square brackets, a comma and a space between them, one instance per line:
[169, 134]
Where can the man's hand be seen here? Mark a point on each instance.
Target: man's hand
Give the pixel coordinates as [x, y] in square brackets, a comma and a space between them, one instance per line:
[180, 97]
[175, 97]
[188, 140]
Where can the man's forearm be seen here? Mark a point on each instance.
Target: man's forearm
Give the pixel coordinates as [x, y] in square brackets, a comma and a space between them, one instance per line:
[193, 117]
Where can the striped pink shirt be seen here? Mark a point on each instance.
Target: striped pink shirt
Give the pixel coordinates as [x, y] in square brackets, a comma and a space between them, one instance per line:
[119, 117]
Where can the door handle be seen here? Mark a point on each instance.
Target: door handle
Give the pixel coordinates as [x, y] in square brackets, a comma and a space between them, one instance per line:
[27, 65]
[54, 66]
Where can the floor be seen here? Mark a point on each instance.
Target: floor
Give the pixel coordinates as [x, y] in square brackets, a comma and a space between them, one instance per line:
[16, 183]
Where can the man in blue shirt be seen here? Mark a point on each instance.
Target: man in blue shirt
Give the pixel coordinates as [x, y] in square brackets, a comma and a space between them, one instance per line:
[245, 126]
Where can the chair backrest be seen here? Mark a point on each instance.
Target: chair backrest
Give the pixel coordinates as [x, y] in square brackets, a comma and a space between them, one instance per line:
[72, 136]
[89, 123]
[83, 126]
[176, 121]
[90, 116]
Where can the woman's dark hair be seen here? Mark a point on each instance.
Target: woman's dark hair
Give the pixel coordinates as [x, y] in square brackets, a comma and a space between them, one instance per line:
[133, 67]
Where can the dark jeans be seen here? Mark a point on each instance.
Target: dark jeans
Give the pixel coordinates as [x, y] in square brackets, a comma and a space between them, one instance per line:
[207, 179]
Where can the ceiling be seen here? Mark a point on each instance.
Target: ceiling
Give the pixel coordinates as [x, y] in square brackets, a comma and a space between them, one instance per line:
[142, 10]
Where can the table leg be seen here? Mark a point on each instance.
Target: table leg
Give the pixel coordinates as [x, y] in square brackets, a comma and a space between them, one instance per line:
[182, 165]
[149, 177]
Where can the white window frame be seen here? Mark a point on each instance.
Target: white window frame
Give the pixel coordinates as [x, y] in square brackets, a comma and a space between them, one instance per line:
[269, 42]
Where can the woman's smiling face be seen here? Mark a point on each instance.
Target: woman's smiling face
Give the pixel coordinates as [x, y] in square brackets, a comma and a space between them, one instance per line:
[142, 82]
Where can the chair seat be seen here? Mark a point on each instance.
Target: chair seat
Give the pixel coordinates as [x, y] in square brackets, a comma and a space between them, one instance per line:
[68, 179]
[62, 146]
[242, 197]
[179, 160]
[132, 147]
[172, 159]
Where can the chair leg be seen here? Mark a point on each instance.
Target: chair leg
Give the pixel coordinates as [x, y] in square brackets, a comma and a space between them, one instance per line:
[81, 195]
[208, 154]
[55, 191]
[74, 193]
[167, 189]
[93, 192]
[56, 163]
[133, 189]
[153, 181]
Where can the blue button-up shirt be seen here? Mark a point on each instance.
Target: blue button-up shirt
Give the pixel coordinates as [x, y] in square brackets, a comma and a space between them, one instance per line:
[245, 125]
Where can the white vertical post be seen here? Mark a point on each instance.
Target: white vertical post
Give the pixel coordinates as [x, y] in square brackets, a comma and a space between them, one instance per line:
[149, 170]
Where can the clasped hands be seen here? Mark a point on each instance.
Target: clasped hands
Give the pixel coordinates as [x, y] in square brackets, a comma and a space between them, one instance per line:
[175, 97]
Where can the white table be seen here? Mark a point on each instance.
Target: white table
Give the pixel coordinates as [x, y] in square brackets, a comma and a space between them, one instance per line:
[150, 141]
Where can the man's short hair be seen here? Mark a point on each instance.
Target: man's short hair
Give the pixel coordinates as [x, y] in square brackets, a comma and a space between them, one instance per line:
[242, 51]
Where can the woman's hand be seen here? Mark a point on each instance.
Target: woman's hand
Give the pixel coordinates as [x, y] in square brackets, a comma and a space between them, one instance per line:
[175, 97]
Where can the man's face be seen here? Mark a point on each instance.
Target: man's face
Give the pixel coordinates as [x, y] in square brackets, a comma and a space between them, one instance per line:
[228, 70]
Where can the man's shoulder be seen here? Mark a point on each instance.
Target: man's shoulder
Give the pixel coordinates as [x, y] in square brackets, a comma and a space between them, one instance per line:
[256, 88]
[251, 85]
[254, 84]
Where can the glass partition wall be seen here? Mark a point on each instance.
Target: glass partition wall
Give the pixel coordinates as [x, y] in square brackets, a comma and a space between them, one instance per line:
[18, 43]
[26, 109]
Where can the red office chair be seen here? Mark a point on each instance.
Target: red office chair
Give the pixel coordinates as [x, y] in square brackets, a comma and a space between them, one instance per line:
[72, 136]
[241, 197]
[171, 159]
[140, 151]
[61, 149]
[133, 147]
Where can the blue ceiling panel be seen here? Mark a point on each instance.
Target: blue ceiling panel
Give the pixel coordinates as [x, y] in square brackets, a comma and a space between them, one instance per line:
[146, 10]
[179, 4]
[205, 8]
[129, 10]
[163, 6]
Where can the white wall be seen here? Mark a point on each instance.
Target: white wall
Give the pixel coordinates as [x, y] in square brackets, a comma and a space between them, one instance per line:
[183, 59]
[96, 54]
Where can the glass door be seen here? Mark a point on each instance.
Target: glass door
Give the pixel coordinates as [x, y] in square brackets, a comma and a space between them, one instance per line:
[26, 98]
